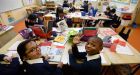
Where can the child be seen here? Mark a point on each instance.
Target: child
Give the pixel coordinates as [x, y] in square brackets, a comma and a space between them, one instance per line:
[91, 60]
[113, 18]
[107, 12]
[33, 62]
[33, 19]
[11, 68]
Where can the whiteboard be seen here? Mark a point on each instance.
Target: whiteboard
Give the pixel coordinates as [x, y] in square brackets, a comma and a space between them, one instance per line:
[6, 5]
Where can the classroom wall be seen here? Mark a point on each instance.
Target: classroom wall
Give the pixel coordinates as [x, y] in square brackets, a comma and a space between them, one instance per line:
[18, 14]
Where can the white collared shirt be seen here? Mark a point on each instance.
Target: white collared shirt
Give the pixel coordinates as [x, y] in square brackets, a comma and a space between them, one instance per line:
[34, 61]
[92, 57]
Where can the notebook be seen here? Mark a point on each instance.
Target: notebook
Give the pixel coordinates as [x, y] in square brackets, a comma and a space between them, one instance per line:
[62, 25]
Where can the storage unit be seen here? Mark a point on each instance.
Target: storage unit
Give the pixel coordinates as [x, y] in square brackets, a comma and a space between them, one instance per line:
[50, 5]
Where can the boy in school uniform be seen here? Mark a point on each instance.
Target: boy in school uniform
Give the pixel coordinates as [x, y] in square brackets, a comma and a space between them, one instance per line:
[113, 18]
[91, 60]
[12, 66]
[33, 62]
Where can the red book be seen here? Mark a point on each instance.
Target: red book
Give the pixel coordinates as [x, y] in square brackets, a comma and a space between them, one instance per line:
[45, 44]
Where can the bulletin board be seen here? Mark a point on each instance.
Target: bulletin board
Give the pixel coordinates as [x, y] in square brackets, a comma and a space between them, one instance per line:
[122, 1]
[7, 5]
[1, 20]
[134, 1]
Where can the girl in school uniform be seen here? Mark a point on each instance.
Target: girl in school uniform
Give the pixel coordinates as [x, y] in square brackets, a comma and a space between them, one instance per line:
[33, 62]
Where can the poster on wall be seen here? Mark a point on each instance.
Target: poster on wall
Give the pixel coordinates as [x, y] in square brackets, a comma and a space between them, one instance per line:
[122, 1]
[0, 20]
[10, 17]
[28, 2]
[134, 1]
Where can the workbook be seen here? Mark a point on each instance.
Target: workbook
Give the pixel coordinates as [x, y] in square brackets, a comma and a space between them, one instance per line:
[62, 25]
[55, 53]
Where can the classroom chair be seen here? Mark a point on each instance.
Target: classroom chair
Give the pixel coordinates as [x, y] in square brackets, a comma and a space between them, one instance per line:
[47, 19]
[116, 24]
[124, 35]
[29, 11]
[77, 22]
[136, 68]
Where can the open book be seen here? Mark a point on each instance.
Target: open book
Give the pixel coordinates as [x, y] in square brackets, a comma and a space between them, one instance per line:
[60, 40]
[54, 53]
[62, 25]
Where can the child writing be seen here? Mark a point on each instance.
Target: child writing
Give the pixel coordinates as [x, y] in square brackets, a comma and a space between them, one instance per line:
[11, 68]
[91, 60]
[33, 62]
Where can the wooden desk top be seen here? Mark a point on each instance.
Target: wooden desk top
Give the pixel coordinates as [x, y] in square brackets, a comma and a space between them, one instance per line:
[110, 57]
[117, 58]
[4, 49]
[9, 28]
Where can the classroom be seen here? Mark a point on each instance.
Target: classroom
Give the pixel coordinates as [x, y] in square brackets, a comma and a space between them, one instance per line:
[69, 37]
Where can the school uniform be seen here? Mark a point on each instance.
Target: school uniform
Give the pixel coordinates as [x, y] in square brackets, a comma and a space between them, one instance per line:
[65, 5]
[11, 68]
[40, 67]
[91, 65]
[113, 20]
[85, 6]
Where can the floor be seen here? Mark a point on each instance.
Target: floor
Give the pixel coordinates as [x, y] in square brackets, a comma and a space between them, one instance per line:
[134, 38]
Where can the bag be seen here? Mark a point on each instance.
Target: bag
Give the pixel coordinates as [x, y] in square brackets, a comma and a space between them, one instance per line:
[126, 17]
[26, 33]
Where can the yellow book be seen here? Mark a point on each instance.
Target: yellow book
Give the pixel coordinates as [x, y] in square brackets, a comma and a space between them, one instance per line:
[59, 39]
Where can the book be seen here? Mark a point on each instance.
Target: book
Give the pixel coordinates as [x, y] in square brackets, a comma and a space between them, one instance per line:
[55, 53]
[60, 40]
[62, 25]
[89, 31]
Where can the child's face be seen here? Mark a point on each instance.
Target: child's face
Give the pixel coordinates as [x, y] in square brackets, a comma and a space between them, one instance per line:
[93, 46]
[33, 51]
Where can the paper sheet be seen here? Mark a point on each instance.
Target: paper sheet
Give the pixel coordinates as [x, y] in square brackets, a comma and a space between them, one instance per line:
[124, 50]
[103, 60]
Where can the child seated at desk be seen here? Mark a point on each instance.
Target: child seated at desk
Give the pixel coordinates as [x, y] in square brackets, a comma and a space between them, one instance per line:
[113, 18]
[11, 65]
[91, 60]
[61, 16]
[33, 19]
[33, 62]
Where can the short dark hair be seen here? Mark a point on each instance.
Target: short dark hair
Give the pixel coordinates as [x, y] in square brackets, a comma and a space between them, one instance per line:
[32, 17]
[108, 8]
[113, 10]
[21, 49]
[99, 40]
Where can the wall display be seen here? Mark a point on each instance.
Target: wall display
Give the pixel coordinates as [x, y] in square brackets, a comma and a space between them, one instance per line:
[28, 2]
[122, 1]
[6, 5]
[0, 20]
[10, 17]
[134, 1]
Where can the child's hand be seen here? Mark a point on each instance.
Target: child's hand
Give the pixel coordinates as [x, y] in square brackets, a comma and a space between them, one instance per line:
[76, 39]
[7, 59]
[60, 65]
[46, 57]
